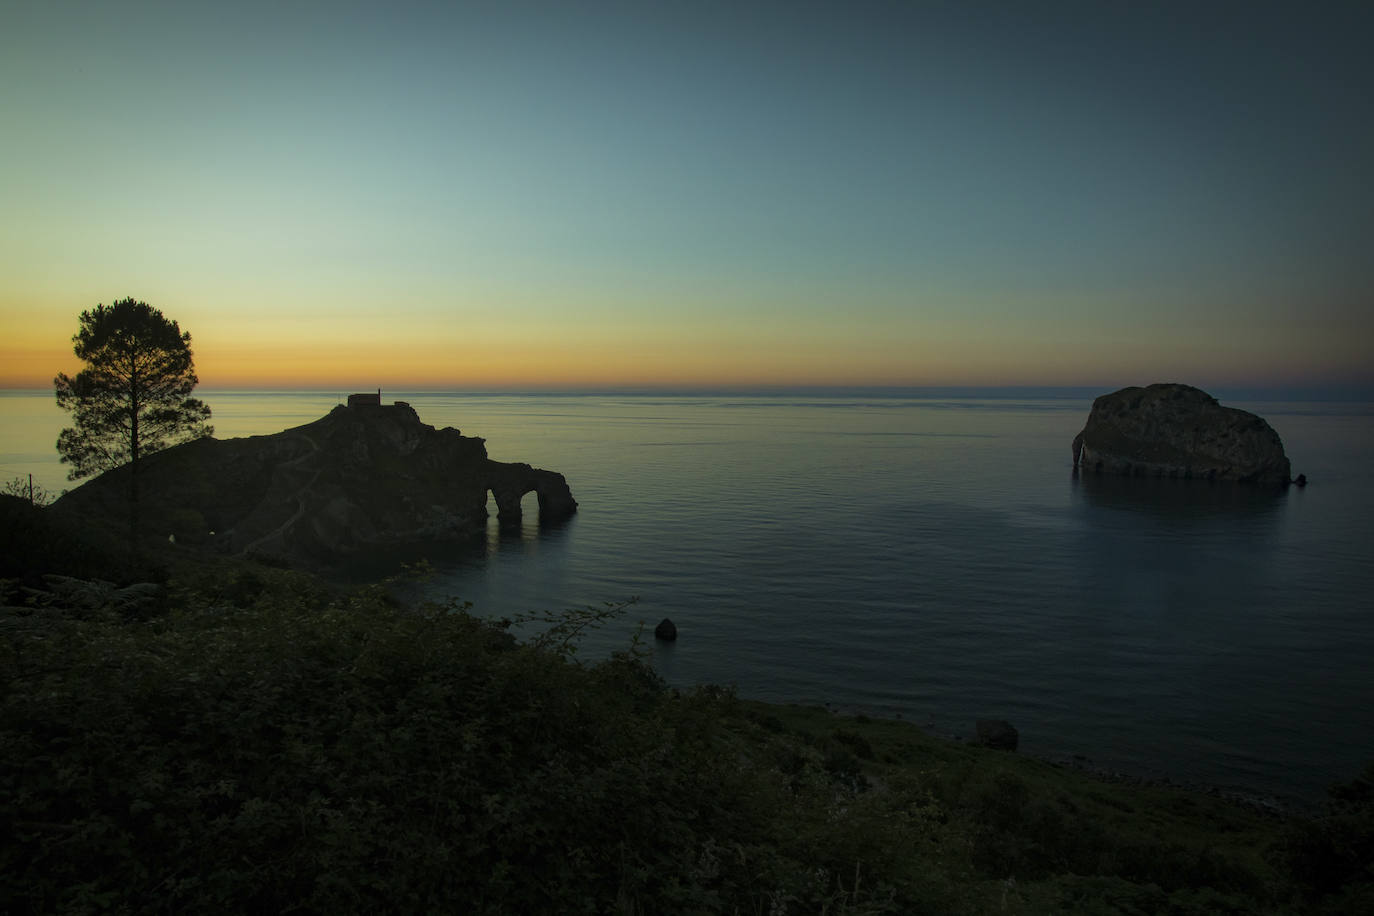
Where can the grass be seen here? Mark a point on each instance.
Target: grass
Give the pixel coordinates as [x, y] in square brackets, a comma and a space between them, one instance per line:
[268, 743]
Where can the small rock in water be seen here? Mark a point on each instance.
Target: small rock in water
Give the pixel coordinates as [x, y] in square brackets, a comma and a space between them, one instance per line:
[666, 630]
[997, 734]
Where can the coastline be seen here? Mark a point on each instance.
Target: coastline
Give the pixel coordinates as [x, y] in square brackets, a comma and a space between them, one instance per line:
[1261, 803]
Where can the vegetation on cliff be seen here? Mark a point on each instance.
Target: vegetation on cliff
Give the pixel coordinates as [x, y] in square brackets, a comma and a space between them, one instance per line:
[267, 743]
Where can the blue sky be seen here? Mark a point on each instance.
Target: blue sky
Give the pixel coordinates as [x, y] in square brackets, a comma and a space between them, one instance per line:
[697, 193]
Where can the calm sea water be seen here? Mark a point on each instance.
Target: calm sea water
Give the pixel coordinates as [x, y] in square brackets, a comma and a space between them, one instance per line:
[933, 558]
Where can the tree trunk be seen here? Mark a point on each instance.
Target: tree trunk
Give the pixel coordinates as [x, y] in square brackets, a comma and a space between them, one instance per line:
[133, 510]
[133, 471]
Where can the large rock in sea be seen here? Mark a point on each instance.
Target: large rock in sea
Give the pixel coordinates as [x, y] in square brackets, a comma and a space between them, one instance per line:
[1169, 430]
[360, 477]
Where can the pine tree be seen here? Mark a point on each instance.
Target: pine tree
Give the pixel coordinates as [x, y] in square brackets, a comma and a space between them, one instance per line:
[133, 397]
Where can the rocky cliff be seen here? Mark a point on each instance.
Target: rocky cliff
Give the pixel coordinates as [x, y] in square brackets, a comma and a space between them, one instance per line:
[1168, 430]
[358, 477]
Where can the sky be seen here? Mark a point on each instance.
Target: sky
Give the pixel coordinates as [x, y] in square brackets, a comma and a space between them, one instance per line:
[683, 194]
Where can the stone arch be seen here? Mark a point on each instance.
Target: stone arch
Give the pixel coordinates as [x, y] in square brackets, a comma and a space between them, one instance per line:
[509, 512]
[509, 483]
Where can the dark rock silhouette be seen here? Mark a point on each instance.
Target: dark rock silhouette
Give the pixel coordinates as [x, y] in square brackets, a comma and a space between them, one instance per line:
[1169, 430]
[359, 477]
[997, 734]
[666, 630]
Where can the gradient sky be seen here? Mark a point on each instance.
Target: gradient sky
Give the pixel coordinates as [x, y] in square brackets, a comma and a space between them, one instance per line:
[514, 194]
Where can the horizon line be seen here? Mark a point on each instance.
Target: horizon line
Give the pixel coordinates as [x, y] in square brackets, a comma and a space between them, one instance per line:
[1322, 391]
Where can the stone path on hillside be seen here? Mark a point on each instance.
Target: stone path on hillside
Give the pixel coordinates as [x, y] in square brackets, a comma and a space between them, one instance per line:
[299, 496]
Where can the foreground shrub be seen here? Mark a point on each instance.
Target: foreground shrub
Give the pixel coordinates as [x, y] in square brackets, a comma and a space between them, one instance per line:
[1332, 856]
[270, 746]
[348, 755]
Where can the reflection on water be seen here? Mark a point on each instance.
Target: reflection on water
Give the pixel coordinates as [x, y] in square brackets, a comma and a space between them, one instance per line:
[491, 544]
[525, 537]
[1167, 498]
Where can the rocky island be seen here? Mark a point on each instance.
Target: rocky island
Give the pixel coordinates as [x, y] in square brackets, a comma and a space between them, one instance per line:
[1171, 430]
[364, 475]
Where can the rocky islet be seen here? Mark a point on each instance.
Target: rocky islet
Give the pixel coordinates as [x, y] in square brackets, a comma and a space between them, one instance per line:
[1173, 430]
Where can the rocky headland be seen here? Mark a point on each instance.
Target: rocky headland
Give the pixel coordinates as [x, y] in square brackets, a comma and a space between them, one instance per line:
[1171, 430]
[362, 476]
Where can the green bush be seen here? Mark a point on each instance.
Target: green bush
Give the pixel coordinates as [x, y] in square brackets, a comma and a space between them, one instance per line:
[1332, 856]
[286, 750]
[271, 745]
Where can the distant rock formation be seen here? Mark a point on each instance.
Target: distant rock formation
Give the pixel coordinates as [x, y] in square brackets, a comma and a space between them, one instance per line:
[361, 476]
[1168, 430]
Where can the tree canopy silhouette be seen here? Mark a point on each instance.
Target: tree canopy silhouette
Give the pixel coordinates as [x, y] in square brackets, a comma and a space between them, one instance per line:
[133, 397]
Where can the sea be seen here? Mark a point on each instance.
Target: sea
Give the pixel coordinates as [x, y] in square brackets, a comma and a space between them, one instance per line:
[929, 555]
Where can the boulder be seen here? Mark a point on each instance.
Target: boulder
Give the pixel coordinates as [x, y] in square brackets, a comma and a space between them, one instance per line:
[995, 733]
[70, 595]
[139, 599]
[1170, 430]
[666, 630]
[80, 594]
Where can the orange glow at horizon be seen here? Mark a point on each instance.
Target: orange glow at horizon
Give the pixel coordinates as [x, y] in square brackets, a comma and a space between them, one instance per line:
[608, 345]
[536, 363]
